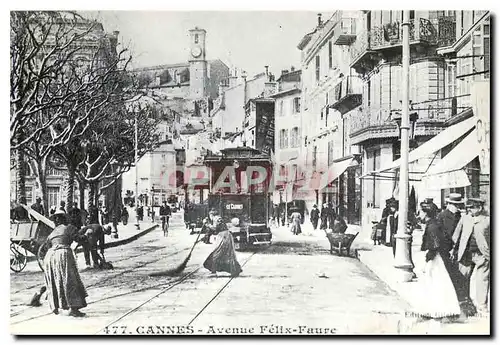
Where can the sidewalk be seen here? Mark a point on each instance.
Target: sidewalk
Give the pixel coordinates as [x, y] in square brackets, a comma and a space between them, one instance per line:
[380, 260]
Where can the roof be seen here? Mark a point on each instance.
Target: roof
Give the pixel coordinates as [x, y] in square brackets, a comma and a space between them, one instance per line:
[173, 65]
[285, 92]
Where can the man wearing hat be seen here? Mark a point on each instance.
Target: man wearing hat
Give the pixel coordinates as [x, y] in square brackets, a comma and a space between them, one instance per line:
[314, 216]
[38, 207]
[449, 217]
[472, 251]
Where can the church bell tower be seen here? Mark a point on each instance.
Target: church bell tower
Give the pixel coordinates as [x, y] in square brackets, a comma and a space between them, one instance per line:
[198, 78]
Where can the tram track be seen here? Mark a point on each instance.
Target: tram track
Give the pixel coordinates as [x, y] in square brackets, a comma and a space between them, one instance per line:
[115, 261]
[114, 276]
[171, 286]
[166, 286]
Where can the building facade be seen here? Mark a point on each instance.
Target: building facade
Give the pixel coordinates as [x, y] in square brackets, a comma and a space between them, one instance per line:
[376, 57]
[187, 92]
[288, 132]
[330, 90]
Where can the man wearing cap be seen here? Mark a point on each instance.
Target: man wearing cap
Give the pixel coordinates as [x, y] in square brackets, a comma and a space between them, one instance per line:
[314, 216]
[449, 217]
[472, 251]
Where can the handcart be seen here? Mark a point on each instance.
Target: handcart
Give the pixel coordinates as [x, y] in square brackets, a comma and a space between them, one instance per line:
[29, 237]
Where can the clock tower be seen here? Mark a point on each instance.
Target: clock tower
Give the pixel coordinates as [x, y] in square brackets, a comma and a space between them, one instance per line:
[198, 78]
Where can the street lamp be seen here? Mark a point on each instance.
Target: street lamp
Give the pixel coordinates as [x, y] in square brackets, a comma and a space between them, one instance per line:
[136, 171]
[402, 261]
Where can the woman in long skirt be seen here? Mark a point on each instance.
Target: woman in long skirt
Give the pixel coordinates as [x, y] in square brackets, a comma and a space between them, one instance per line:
[223, 257]
[439, 299]
[296, 220]
[64, 286]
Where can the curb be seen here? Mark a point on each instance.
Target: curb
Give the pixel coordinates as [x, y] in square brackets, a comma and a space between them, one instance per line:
[112, 244]
[126, 240]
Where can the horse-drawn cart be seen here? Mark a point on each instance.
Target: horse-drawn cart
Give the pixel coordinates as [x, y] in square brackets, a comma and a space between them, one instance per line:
[29, 237]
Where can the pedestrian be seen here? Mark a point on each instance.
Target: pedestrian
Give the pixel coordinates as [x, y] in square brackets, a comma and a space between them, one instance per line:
[140, 213]
[430, 201]
[472, 252]
[392, 226]
[62, 206]
[296, 221]
[64, 285]
[165, 213]
[52, 210]
[449, 217]
[75, 217]
[223, 257]
[208, 226]
[439, 299]
[331, 216]
[92, 239]
[324, 217]
[20, 213]
[314, 216]
[152, 214]
[38, 207]
[93, 214]
[125, 215]
[339, 225]
[104, 215]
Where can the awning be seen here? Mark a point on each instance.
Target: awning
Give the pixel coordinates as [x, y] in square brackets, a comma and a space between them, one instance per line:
[459, 157]
[436, 143]
[335, 170]
[451, 179]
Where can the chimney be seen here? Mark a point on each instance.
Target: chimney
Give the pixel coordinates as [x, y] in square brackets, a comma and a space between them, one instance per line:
[267, 70]
[292, 69]
[319, 19]
[116, 33]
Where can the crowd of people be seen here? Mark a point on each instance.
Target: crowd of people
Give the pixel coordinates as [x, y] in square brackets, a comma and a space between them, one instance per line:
[456, 241]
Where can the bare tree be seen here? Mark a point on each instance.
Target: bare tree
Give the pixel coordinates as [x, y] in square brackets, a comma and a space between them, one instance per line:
[65, 75]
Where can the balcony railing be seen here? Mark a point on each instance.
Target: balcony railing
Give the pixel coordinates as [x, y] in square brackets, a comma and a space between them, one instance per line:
[361, 46]
[421, 30]
[369, 117]
[447, 27]
[347, 94]
[345, 31]
[375, 122]
[392, 33]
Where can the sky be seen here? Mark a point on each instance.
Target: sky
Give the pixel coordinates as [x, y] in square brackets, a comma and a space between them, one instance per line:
[245, 40]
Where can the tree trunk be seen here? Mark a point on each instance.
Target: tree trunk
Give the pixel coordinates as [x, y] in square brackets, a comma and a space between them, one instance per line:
[81, 186]
[21, 171]
[70, 187]
[41, 170]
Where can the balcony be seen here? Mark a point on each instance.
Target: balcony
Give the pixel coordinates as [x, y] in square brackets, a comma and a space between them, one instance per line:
[375, 123]
[347, 94]
[345, 32]
[370, 47]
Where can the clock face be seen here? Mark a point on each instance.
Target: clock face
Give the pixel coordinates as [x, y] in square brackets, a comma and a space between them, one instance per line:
[196, 51]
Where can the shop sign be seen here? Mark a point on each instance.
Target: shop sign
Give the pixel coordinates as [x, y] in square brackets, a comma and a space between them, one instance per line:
[480, 94]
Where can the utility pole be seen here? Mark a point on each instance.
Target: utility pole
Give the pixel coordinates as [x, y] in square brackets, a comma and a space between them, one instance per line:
[136, 174]
[403, 247]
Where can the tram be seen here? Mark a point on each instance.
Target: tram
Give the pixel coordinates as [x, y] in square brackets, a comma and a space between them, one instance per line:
[239, 188]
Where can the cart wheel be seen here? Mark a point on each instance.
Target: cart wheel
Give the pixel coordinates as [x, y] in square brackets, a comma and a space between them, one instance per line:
[18, 257]
[42, 251]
